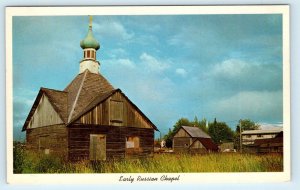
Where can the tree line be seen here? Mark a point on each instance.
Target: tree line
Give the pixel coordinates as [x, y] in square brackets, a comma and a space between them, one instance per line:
[219, 131]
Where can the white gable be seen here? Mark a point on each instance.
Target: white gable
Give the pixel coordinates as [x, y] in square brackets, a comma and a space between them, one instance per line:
[44, 114]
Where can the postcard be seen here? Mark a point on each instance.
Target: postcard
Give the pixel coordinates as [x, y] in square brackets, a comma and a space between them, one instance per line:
[148, 94]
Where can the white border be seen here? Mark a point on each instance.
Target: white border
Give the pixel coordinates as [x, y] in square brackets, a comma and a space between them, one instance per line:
[256, 177]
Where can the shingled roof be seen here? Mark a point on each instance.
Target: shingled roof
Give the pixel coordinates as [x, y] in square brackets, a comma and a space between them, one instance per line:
[76, 96]
[195, 132]
[83, 89]
[84, 92]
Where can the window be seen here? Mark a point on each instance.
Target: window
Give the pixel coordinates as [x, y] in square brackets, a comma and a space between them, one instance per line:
[116, 112]
[260, 136]
[88, 54]
[132, 142]
[93, 55]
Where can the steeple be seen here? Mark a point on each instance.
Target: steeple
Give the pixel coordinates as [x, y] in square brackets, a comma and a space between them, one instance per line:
[89, 45]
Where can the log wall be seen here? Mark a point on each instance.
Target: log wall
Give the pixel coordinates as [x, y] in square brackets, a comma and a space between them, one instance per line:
[181, 144]
[48, 140]
[79, 139]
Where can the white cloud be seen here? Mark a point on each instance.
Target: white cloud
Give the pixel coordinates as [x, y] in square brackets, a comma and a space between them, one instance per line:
[127, 63]
[155, 89]
[230, 68]
[180, 71]
[247, 76]
[256, 105]
[112, 29]
[267, 126]
[117, 53]
[153, 63]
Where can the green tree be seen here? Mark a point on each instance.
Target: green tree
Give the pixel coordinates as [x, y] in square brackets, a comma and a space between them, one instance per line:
[201, 124]
[245, 124]
[220, 132]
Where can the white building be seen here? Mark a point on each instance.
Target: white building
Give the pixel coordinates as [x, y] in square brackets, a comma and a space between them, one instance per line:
[248, 137]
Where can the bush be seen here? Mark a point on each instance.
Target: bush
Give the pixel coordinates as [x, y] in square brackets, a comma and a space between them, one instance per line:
[48, 164]
[18, 157]
[169, 143]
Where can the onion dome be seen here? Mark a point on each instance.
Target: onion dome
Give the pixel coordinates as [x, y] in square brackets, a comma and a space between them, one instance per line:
[89, 41]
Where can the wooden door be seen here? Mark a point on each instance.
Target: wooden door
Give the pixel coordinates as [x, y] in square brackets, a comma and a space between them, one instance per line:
[97, 147]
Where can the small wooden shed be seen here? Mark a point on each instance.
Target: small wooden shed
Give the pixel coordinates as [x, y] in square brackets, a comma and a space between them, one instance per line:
[89, 119]
[194, 140]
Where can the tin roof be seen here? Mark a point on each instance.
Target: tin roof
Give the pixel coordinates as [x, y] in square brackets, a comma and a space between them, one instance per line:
[269, 131]
[195, 132]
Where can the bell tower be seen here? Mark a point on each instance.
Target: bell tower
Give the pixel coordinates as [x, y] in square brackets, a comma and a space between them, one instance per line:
[90, 46]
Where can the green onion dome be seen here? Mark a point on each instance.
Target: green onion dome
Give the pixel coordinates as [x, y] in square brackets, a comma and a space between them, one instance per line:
[89, 41]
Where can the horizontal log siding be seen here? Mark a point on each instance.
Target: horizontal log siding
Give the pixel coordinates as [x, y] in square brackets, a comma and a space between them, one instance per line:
[79, 139]
[55, 136]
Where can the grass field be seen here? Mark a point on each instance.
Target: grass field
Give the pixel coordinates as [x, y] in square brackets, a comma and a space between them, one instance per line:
[161, 163]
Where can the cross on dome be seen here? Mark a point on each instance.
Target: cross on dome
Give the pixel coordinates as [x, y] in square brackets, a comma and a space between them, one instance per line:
[89, 45]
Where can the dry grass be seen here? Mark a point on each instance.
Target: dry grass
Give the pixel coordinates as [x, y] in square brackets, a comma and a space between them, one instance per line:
[160, 163]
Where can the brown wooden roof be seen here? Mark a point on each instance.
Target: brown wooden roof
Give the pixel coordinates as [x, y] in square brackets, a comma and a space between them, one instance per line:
[59, 101]
[84, 92]
[83, 89]
[208, 143]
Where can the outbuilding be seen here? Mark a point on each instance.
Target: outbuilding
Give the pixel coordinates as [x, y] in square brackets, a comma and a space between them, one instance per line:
[194, 140]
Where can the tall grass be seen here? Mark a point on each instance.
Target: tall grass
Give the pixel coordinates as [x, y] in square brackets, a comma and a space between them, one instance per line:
[160, 163]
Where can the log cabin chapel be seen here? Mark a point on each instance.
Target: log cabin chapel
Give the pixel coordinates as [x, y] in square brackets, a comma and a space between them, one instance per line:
[89, 119]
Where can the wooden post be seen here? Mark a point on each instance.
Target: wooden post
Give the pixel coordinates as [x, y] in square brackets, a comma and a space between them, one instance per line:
[241, 144]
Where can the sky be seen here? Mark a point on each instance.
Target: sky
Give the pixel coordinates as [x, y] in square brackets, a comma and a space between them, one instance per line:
[227, 67]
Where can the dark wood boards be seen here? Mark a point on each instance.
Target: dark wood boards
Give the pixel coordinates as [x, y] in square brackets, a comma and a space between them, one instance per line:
[116, 111]
[49, 140]
[79, 138]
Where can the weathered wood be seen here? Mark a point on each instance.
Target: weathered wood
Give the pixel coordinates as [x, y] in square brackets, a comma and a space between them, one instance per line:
[53, 138]
[44, 114]
[115, 111]
[182, 133]
[115, 141]
[97, 147]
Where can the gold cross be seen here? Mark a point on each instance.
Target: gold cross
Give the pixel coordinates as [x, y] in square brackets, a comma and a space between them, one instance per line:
[91, 19]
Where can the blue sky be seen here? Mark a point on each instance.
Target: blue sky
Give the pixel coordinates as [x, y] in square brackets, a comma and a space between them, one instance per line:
[210, 66]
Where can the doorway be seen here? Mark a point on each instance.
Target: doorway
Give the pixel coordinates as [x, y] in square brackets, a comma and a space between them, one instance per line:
[97, 147]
